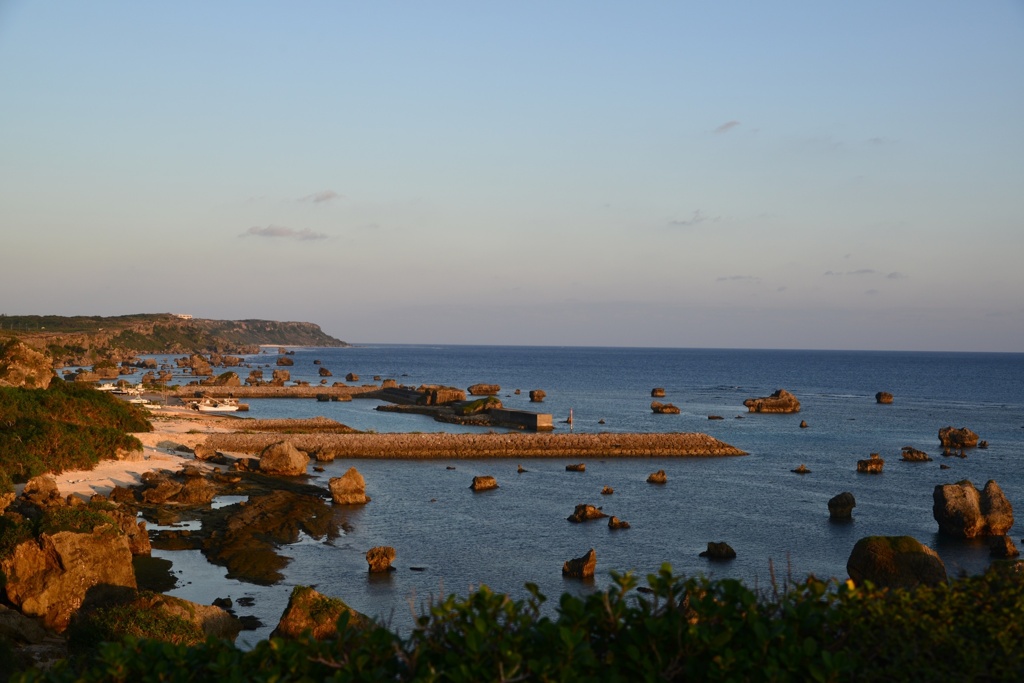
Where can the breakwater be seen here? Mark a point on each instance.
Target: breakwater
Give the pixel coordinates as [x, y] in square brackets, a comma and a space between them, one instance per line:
[510, 445]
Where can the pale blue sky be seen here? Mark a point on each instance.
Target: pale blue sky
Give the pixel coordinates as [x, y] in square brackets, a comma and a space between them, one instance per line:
[729, 174]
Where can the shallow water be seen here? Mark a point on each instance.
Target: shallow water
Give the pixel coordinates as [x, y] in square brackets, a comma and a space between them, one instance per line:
[771, 516]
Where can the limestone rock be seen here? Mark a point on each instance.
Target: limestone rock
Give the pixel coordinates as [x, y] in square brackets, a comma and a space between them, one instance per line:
[537, 395]
[313, 612]
[883, 397]
[484, 389]
[324, 372]
[581, 567]
[279, 377]
[349, 488]
[872, 465]
[658, 477]
[963, 437]
[484, 483]
[433, 395]
[284, 361]
[802, 469]
[585, 512]
[895, 562]
[16, 627]
[965, 512]
[616, 523]
[657, 392]
[911, 454]
[42, 490]
[780, 402]
[719, 551]
[380, 559]
[840, 507]
[282, 458]
[22, 366]
[607, 491]
[351, 377]
[578, 467]
[49, 576]
[664, 408]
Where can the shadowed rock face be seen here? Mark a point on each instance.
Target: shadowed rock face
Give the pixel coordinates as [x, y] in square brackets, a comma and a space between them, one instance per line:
[841, 507]
[581, 567]
[318, 614]
[883, 397]
[780, 402]
[965, 512]
[895, 562]
[719, 551]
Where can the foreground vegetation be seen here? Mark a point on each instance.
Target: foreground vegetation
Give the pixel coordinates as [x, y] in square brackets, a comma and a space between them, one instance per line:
[692, 629]
[65, 427]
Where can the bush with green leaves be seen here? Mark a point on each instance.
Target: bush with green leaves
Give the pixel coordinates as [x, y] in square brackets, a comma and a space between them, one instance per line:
[694, 629]
[64, 427]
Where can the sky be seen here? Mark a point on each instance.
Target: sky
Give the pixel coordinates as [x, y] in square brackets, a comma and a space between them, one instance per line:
[799, 175]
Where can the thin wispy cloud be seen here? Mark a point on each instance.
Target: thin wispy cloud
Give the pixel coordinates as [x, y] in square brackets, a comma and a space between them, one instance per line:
[739, 278]
[862, 271]
[697, 218]
[320, 197]
[282, 232]
[726, 127]
[896, 275]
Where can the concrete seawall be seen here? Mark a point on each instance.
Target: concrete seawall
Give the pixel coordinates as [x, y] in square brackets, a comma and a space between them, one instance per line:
[511, 445]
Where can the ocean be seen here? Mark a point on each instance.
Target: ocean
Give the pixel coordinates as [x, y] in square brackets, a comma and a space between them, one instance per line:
[777, 521]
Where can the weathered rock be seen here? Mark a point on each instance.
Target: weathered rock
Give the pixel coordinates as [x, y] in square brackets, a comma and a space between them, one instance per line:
[284, 361]
[657, 392]
[227, 379]
[16, 627]
[484, 389]
[203, 452]
[658, 477]
[719, 551]
[209, 621]
[963, 437]
[284, 459]
[324, 372]
[537, 395]
[49, 576]
[802, 469]
[389, 384]
[883, 397]
[616, 523]
[484, 483]
[607, 491]
[911, 454]
[380, 559]
[1003, 548]
[438, 396]
[255, 377]
[279, 377]
[22, 366]
[872, 465]
[780, 402]
[581, 567]
[803, 424]
[585, 512]
[315, 613]
[664, 408]
[196, 491]
[349, 488]
[840, 507]
[42, 490]
[578, 467]
[895, 562]
[351, 377]
[965, 512]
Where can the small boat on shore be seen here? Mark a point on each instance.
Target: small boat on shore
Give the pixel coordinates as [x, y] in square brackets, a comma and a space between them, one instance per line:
[215, 405]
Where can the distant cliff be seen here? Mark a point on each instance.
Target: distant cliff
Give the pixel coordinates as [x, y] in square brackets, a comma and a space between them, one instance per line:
[81, 340]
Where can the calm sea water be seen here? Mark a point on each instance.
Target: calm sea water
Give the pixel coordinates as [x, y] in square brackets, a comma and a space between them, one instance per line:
[771, 516]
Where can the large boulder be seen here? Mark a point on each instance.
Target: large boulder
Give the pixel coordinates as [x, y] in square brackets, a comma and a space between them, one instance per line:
[311, 612]
[883, 397]
[484, 483]
[840, 507]
[585, 512]
[895, 562]
[49, 576]
[719, 551]
[380, 558]
[658, 477]
[283, 458]
[951, 437]
[23, 366]
[664, 408]
[780, 402]
[349, 488]
[872, 465]
[484, 389]
[911, 454]
[537, 395]
[285, 361]
[581, 567]
[965, 512]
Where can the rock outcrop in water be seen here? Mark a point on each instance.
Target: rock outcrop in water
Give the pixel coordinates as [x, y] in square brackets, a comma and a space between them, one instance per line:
[537, 395]
[895, 562]
[840, 507]
[658, 477]
[872, 465]
[911, 454]
[581, 567]
[380, 558]
[719, 551]
[313, 612]
[664, 408]
[965, 512]
[780, 402]
[349, 488]
[484, 483]
[950, 437]
[585, 513]
[484, 389]
[883, 397]
[284, 459]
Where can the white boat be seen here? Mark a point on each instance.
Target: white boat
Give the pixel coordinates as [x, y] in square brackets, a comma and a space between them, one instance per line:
[107, 386]
[215, 405]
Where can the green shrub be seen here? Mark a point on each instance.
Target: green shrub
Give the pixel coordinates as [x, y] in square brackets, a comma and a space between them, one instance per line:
[119, 622]
[80, 519]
